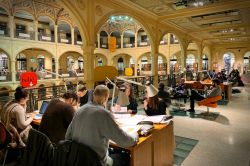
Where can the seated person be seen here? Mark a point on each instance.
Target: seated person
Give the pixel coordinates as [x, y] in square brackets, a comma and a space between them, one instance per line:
[153, 105]
[58, 116]
[214, 91]
[132, 107]
[14, 117]
[180, 90]
[84, 95]
[94, 126]
[164, 95]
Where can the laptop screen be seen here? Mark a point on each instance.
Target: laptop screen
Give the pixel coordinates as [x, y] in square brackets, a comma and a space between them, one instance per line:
[43, 107]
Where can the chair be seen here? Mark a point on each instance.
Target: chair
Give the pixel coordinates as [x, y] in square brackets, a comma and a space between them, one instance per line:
[210, 102]
[222, 86]
[5, 141]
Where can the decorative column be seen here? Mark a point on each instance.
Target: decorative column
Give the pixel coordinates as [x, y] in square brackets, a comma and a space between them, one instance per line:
[169, 56]
[183, 58]
[13, 70]
[121, 41]
[136, 34]
[56, 67]
[36, 29]
[199, 57]
[56, 33]
[11, 26]
[88, 52]
[98, 40]
[135, 67]
[72, 36]
[154, 65]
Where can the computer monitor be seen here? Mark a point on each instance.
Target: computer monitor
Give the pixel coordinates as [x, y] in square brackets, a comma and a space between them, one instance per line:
[43, 107]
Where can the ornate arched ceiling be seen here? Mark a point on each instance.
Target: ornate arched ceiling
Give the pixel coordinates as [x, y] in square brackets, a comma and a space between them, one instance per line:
[116, 24]
[38, 8]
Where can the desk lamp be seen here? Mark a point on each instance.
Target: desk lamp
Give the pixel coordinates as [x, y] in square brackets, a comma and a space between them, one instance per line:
[151, 90]
[122, 99]
[66, 89]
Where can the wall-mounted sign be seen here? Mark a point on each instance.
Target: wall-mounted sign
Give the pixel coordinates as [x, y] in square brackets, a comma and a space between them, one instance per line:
[28, 79]
[112, 44]
[32, 59]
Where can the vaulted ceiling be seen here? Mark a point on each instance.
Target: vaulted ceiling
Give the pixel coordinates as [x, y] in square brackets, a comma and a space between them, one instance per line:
[216, 21]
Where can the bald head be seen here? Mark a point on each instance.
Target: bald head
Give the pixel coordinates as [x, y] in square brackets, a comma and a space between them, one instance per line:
[101, 94]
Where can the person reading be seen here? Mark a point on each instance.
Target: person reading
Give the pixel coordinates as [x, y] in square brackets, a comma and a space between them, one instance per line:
[213, 91]
[132, 106]
[94, 126]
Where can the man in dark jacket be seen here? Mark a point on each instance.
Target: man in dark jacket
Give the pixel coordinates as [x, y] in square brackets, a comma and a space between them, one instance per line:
[57, 117]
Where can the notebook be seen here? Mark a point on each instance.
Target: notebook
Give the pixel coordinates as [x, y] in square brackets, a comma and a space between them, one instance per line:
[42, 109]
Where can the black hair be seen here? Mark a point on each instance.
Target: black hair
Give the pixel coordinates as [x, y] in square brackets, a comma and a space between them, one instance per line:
[216, 81]
[82, 89]
[20, 93]
[161, 86]
[69, 95]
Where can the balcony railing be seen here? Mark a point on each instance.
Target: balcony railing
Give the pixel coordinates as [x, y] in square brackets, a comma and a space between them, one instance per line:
[104, 45]
[46, 37]
[4, 33]
[128, 45]
[143, 44]
[63, 39]
[78, 42]
[5, 76]
[26, 35]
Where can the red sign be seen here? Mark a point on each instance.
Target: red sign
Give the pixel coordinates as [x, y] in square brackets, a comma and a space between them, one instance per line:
[28, 79]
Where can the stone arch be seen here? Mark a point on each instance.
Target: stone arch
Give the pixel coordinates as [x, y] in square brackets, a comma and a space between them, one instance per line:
[77, 19]
[63, 61]
[103, 57]
[25, 11]
[138, 19]
[33, 46]
[47, 16]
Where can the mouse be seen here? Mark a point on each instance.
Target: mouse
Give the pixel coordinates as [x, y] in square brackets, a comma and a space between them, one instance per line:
[145, 122]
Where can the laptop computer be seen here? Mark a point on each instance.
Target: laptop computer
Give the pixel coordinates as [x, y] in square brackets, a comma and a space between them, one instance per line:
[42, 109]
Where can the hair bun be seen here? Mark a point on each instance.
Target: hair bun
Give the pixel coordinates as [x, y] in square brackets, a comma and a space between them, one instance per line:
[18, 89]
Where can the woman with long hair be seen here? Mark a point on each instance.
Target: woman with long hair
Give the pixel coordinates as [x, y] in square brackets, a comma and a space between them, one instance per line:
[153, 105]
[14, 116]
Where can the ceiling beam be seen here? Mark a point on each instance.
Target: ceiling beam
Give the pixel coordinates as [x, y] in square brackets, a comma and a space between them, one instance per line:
[220, 27]
[213, 8]
[227, 37]
[216, 19]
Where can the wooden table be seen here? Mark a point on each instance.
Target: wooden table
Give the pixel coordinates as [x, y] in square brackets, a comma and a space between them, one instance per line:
[157, 149]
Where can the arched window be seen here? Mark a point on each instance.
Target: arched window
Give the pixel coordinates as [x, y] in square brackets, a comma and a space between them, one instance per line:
[173, 61]
[41, 62]
[120, 65]
[4, 61]
[204, 62]
[21, 62]
[80, 64]
[190, 61]
[131, 62]
[246, 61]
[103, 39]
[99, 62]
[228, 62]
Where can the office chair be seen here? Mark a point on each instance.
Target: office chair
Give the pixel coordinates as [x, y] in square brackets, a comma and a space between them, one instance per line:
[5, 141]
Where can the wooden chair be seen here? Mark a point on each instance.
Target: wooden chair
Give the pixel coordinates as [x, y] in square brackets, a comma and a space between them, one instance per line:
[210, 102]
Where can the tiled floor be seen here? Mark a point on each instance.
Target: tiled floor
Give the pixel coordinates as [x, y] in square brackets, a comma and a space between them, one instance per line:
[223, 141]
[183, 147]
